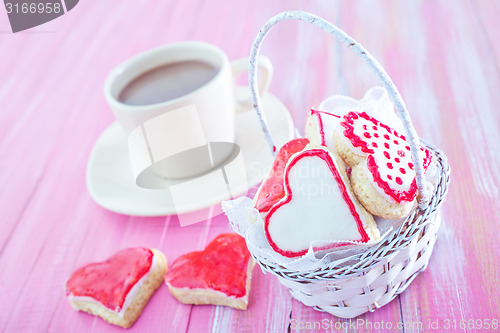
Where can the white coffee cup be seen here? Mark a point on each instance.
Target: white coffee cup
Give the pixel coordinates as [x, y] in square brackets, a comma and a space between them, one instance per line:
[188, 135]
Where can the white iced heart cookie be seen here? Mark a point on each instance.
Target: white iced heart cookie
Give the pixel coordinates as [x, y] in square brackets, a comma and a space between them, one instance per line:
[383, 174]
[318, 206]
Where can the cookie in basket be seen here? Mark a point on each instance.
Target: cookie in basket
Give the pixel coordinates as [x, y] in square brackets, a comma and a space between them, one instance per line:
[319, 128]
[383, 172]
[219, 275]
[118, 289]
[272, 189]
[313, 203]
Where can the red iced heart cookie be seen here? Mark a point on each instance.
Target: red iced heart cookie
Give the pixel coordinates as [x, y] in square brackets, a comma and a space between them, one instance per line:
[110, 281]
[218, 275]
[117, 289]
[318, 206]
[271, 190]
[388, 155]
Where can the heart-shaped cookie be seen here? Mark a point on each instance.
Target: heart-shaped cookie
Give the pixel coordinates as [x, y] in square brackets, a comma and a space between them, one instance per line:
[110, 288]
[388, 154]
[271, 190]
[110, 281]
[318, 206]
[382, 156]
[218, 275]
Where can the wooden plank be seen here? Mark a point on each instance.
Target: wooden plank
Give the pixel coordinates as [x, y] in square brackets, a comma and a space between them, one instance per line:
[466, 251]
[50, 213]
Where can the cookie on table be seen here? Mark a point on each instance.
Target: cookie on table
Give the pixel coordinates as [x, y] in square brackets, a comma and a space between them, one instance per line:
[118, 289]
[219, 275]
[383, 172]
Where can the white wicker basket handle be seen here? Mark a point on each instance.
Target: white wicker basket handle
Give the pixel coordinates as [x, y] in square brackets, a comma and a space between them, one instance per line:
[399, 104]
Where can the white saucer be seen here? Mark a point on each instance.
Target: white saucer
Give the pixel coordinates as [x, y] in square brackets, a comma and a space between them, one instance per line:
[111, 183]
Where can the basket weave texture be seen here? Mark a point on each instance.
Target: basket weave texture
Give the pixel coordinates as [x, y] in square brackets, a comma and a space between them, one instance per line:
[377, 275]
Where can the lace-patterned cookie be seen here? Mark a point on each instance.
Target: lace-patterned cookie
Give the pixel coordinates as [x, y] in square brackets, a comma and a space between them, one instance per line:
[383, 172]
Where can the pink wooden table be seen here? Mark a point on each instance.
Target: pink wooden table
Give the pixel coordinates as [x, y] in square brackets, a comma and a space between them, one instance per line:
[445, 59]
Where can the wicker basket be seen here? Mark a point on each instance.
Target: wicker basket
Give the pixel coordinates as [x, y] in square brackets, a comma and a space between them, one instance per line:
[374, 277]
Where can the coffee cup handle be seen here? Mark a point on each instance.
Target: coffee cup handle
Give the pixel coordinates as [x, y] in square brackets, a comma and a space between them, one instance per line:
[266, 73]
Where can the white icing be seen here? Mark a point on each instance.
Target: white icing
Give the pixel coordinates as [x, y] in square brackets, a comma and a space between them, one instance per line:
[317, 211]
[326, 121]
[130, 296]
[375, 185]
[312, 130]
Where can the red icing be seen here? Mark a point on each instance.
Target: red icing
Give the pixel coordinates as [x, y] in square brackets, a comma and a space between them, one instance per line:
[272, 190]
[222, 267]
[373, 167]
[349, 133]
[326, 157]
[110, 281]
